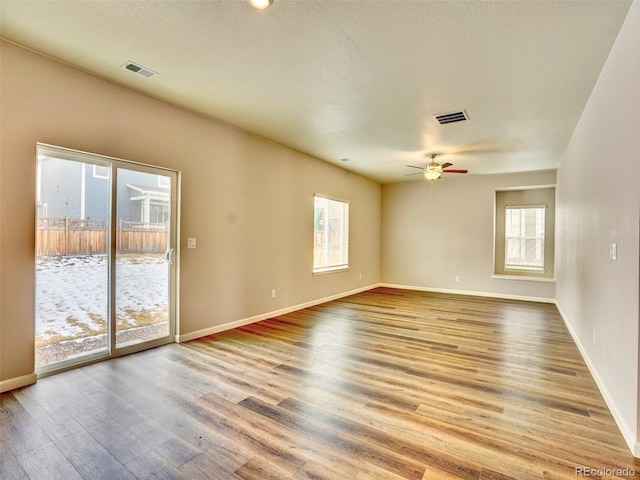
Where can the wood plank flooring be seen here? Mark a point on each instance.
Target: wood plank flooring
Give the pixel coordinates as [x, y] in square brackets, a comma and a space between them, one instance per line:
[386, 385]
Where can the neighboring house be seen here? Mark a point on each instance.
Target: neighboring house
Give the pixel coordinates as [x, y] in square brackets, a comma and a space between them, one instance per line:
[140, 202]
[81, 191]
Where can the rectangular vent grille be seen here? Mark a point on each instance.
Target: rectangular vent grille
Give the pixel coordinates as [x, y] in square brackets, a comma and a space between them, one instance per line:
[139, 70]
[452, 117]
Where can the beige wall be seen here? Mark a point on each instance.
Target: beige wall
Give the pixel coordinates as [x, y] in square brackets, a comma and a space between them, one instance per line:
[598, 195]
[249, 202]
[429, 237]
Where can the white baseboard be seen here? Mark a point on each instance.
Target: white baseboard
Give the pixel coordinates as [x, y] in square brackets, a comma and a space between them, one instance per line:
[257, 318]
[466, 292]
[17, 382]
[627, 432]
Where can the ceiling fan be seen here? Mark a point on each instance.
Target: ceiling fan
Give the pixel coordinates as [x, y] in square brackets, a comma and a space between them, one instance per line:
[434, 170]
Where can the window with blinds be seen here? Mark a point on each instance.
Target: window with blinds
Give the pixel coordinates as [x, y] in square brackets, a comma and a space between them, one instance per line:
[524, 238]
[330, 235]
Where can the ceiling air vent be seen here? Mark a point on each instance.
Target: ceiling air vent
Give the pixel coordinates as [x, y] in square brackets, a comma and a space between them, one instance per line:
[452, 117]
[139, 69]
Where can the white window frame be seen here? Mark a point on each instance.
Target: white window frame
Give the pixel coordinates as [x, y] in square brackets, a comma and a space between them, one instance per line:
[96, 173]
[324, 259]
[525, 236]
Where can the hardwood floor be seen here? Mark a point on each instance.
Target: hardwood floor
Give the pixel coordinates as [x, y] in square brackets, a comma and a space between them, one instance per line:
[386, 384]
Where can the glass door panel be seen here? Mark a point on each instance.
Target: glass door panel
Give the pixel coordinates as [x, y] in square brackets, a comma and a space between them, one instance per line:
[72, 262]
[143, 266]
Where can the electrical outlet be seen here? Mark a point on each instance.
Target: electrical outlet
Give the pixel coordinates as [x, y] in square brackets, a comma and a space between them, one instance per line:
[273, 294]
[457, 278]
[191, 242]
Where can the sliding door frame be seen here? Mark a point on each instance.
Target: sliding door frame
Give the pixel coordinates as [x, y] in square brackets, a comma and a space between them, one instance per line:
[172, 256]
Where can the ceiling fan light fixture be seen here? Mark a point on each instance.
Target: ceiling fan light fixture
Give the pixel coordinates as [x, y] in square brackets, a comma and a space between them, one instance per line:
[260, 4]
[433, 171]
[432, 174]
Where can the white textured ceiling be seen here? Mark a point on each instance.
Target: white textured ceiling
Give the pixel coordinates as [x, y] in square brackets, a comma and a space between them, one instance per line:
[352, 79]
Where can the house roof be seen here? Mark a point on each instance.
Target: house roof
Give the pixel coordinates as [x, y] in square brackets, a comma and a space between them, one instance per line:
[356, 83]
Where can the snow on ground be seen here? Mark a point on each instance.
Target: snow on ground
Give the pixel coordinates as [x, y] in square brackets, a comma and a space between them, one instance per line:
[71, 294]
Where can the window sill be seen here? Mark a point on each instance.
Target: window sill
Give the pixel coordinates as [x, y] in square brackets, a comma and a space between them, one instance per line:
[526, 278]
[330, 270]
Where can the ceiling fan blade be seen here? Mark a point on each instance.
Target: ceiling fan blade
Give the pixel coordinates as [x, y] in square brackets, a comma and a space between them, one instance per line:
[409, 174]
[455, 171]
[446, 165]
[413, 166]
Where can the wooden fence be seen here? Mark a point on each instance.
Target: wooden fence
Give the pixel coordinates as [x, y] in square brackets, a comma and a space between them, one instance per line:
[64, 236]
[140, 237]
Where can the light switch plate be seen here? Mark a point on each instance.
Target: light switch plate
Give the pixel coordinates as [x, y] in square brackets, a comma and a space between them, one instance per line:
[613, 251]
[191, 242]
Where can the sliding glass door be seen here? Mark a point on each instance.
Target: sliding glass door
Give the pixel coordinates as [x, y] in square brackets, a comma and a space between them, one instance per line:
[105, 275]
[144, 257]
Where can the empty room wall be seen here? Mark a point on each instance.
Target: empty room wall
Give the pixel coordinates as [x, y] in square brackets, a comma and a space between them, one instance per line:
[598, 197]
[431, 236]
[248, 201]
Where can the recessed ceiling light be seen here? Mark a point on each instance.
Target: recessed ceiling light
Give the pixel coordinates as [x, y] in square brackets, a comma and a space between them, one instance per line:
[260, 4]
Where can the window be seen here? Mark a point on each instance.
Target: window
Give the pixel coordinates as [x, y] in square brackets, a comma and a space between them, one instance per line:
[524, 233]
[164, 182]
[100, 171]
[330, 235]
[159, 212]
[524, 238]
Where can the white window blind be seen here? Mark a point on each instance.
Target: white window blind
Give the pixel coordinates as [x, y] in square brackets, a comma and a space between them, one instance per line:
[524, 238]
[331, 235]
